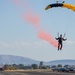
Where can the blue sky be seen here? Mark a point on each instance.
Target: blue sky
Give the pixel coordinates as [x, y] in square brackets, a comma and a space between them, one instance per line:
[20, 38]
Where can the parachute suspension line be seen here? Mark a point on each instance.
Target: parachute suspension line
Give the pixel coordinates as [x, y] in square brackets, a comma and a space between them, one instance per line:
[58, 34]
[64, 35]
[57, 1]
[64, 5]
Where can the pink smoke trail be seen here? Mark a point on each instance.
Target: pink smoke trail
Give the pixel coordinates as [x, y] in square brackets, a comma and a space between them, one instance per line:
[32, 18]
[35, 20]
[17, 2]
[47, 37]
[22, 4]
[29, 16]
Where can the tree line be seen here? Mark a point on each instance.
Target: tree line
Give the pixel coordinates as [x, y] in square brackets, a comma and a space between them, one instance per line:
[22, 66]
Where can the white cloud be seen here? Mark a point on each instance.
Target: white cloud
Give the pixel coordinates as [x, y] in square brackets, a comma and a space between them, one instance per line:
[21, 45]
[68, 42]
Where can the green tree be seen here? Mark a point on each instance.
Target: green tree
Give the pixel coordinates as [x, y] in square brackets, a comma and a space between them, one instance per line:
[54, 66]
[28, 67]
[59, 65]
[14, 66]
[34, 66]
[21, 66]
[46, 67]
[7, 67]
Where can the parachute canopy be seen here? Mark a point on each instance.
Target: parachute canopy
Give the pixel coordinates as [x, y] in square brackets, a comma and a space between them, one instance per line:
[69, 6]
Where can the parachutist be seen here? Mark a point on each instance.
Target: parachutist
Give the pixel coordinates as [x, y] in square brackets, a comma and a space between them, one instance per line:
[60, 39]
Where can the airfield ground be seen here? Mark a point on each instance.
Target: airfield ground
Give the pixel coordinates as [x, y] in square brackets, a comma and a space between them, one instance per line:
[33, 73]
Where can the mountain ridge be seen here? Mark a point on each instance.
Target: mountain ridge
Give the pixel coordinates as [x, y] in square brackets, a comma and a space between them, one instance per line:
[13, 59]
[63, 62]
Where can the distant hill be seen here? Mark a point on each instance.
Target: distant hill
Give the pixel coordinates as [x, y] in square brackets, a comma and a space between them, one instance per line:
[10, 59]
[63, 62]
